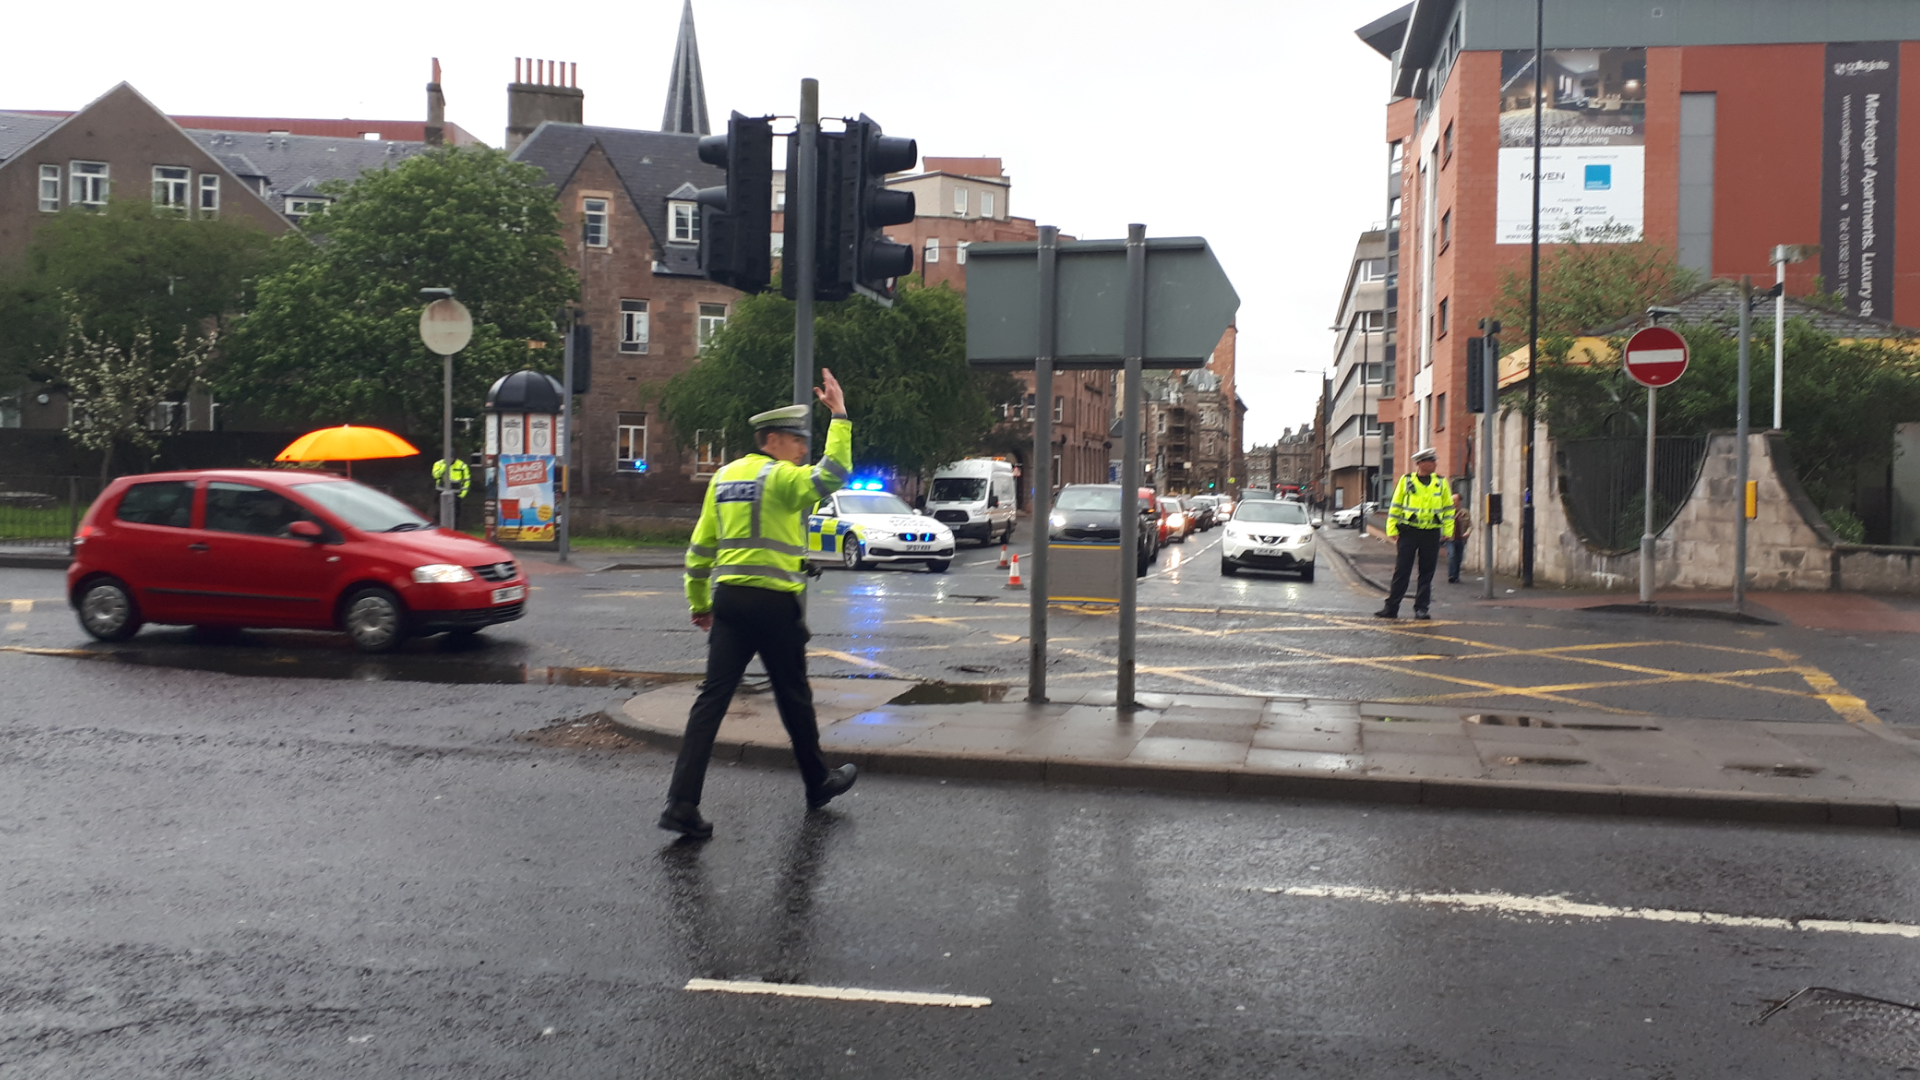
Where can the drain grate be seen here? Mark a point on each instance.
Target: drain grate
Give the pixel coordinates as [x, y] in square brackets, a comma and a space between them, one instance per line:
[1885, 1031]
[1794, 772]
[1554, 762]
[1495, 720]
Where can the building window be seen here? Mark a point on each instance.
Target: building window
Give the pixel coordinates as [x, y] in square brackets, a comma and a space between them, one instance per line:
[89, 183]
[1446, 229]
[777, 244]
[1160, 424]
[1396, 158]
[209, 195]
[1373, 269]
[986, 204]
[1373, 374]
[685, 226]
[1440, 413]
[50, 188]
[634, 326]
[709, 450]
[780, 201]
[1393, 212]
[1057, 479]
[1371, 321]
[933, 249]
[712, 318]
[630, 442]
[1370, 424]
[300, 209]
[960, 251]
[1446, 146]
[959, 202]
[170, 188]
[593, 222]
[1059, 409]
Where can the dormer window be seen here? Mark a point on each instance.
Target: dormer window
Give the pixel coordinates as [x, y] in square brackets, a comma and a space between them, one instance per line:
[301, 208]
[683, 222]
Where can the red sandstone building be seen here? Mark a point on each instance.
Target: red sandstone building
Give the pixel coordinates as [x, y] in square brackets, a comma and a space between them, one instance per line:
[1714, 130]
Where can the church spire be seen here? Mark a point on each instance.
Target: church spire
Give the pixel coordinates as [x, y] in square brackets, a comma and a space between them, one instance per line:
[686, 91]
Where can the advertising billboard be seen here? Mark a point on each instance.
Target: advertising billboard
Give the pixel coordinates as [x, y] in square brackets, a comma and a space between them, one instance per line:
[1593, 146]
[1858, 147]
[526, 499]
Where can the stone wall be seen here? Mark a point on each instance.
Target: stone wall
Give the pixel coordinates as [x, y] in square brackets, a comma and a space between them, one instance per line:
[1789, 547]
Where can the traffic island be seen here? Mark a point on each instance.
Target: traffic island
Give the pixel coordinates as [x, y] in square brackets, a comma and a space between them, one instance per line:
[1732, 770]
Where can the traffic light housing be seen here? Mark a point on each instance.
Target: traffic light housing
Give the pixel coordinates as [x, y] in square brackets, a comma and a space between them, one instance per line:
[869, 206]
[736, 221]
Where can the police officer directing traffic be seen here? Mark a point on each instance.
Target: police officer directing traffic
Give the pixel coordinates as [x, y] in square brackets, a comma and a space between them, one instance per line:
[1419, 518]
[745, 576]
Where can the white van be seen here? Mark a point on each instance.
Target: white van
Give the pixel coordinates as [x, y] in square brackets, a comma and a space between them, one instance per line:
[975, 499]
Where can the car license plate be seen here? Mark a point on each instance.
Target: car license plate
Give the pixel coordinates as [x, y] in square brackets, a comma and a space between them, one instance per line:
[509, 594]
[919, 547]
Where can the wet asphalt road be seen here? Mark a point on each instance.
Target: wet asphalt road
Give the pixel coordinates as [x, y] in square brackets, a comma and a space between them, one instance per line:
[209, 875]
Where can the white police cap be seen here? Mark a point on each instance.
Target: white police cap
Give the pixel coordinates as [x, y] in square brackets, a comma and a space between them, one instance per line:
[789, 418]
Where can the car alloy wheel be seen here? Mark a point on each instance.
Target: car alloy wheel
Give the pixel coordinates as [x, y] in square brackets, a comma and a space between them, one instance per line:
[107, 611]
[374, 620]
[851, 552]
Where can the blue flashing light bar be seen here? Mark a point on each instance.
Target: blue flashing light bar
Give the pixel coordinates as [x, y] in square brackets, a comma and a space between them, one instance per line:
[866, 485]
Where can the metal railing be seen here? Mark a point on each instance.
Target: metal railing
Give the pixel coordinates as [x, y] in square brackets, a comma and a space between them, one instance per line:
[1603, 483]
[43, 511]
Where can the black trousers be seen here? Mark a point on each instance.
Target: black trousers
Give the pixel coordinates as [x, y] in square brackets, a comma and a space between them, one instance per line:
[1424, 543]
[749, 621]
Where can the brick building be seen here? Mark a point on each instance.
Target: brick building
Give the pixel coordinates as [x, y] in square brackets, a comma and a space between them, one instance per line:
[1285, 462]
[1713, 134]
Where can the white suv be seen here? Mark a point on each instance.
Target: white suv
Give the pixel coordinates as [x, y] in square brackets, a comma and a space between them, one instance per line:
[1269, 536]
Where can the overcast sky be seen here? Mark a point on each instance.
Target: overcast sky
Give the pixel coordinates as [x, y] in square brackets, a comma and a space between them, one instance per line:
[1254, 123]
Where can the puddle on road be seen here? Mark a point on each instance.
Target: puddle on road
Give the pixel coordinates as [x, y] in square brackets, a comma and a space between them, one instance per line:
[1492, 720]
[940, 693]
[1885, 1031]
[350, 667]
[1793, 772]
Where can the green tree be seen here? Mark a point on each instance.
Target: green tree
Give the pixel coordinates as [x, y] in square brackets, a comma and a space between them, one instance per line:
[115, 387]
[1587, 287]
[915, 403]
[334, 331]
[126, 274]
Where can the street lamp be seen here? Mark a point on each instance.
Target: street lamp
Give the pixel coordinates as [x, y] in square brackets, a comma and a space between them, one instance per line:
[1782, 255]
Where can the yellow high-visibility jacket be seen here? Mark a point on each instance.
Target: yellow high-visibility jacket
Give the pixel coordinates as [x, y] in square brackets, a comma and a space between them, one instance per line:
[462, 475]
[1420, 505]
[751, 529]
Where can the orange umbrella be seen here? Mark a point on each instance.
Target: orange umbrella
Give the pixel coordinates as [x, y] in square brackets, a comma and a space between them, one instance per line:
[347, 443]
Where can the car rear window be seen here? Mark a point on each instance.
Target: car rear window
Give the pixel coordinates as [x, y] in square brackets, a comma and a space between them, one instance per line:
[158, 502]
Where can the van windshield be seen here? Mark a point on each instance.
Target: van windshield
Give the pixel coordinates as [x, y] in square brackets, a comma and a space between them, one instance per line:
[958, 489]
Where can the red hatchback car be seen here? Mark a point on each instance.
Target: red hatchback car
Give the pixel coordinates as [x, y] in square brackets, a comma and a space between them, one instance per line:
[263, 548]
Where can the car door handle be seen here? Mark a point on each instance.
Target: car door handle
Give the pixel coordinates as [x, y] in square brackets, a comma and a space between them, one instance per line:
[196, 547]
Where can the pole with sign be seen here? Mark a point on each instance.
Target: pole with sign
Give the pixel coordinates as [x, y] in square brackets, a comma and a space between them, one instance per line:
[446, 326]
[1655, 357]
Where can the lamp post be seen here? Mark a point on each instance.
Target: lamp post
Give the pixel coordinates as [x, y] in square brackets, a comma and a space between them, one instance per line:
[1782, 255]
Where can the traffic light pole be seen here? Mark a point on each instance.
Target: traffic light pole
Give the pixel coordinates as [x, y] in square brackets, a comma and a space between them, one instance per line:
[564, 534]
[1133, 349]
[1489, 423]
[1042, 467]
[803, 204]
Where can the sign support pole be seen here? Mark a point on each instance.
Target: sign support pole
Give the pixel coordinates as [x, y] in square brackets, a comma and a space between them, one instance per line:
[1490, 383]
[1134, 349]
[563, 534]
[805, 204]
[1646, 534]
[1741, 424]
[447, 507]
[1042, 502]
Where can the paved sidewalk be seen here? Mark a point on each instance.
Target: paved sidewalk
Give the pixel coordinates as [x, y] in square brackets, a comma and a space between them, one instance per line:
[1804, 773]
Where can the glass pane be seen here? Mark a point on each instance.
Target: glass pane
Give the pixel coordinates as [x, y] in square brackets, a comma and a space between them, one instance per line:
[165, 502]
[243, 508]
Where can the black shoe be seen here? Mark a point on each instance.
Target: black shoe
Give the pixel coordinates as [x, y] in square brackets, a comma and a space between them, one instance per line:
[684, 818]
[1386, 613]
[837, 783]
[1420, 613]
[1453, 581]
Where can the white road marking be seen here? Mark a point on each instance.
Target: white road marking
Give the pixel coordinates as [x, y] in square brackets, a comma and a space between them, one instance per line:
[1559, 907]
[837, 993]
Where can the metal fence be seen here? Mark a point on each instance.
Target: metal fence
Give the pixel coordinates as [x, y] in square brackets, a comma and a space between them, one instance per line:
[43, 511]
[1603, 483]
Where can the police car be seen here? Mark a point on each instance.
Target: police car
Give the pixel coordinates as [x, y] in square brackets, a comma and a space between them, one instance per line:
[861, 525]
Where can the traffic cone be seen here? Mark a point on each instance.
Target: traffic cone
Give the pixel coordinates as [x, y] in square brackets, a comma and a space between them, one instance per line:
[1013, 576]
[1003, 556]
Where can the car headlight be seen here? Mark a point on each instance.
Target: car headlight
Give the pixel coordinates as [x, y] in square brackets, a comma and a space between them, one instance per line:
[441, 574]
[1058, 521]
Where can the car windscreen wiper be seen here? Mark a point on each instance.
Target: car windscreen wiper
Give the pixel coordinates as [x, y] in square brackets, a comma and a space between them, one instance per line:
[405, 526]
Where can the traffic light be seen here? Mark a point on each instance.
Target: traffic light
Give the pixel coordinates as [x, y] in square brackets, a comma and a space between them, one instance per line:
[736, 221]
[868, 207]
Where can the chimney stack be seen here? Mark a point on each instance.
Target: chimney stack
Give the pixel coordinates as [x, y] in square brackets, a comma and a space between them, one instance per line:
[542, 90]
[436, 131]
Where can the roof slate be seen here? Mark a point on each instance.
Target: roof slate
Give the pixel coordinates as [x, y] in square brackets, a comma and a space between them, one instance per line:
[290, 161]
[1718, 301]
[19, 130]
[652, 166]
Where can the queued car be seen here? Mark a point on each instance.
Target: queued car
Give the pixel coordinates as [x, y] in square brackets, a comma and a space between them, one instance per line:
[1182, 521]
[1090, 513]
[1202, 509]
[232, 549]
[1162, 529]
[876, 527]
[1275, 535]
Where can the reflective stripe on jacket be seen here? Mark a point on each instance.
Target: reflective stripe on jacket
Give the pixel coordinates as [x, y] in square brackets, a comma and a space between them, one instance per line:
[462, 475]
[1421, 505]
[751, 531]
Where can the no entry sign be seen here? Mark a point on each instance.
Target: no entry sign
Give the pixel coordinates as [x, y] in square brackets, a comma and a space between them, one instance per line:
[1656, 357]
